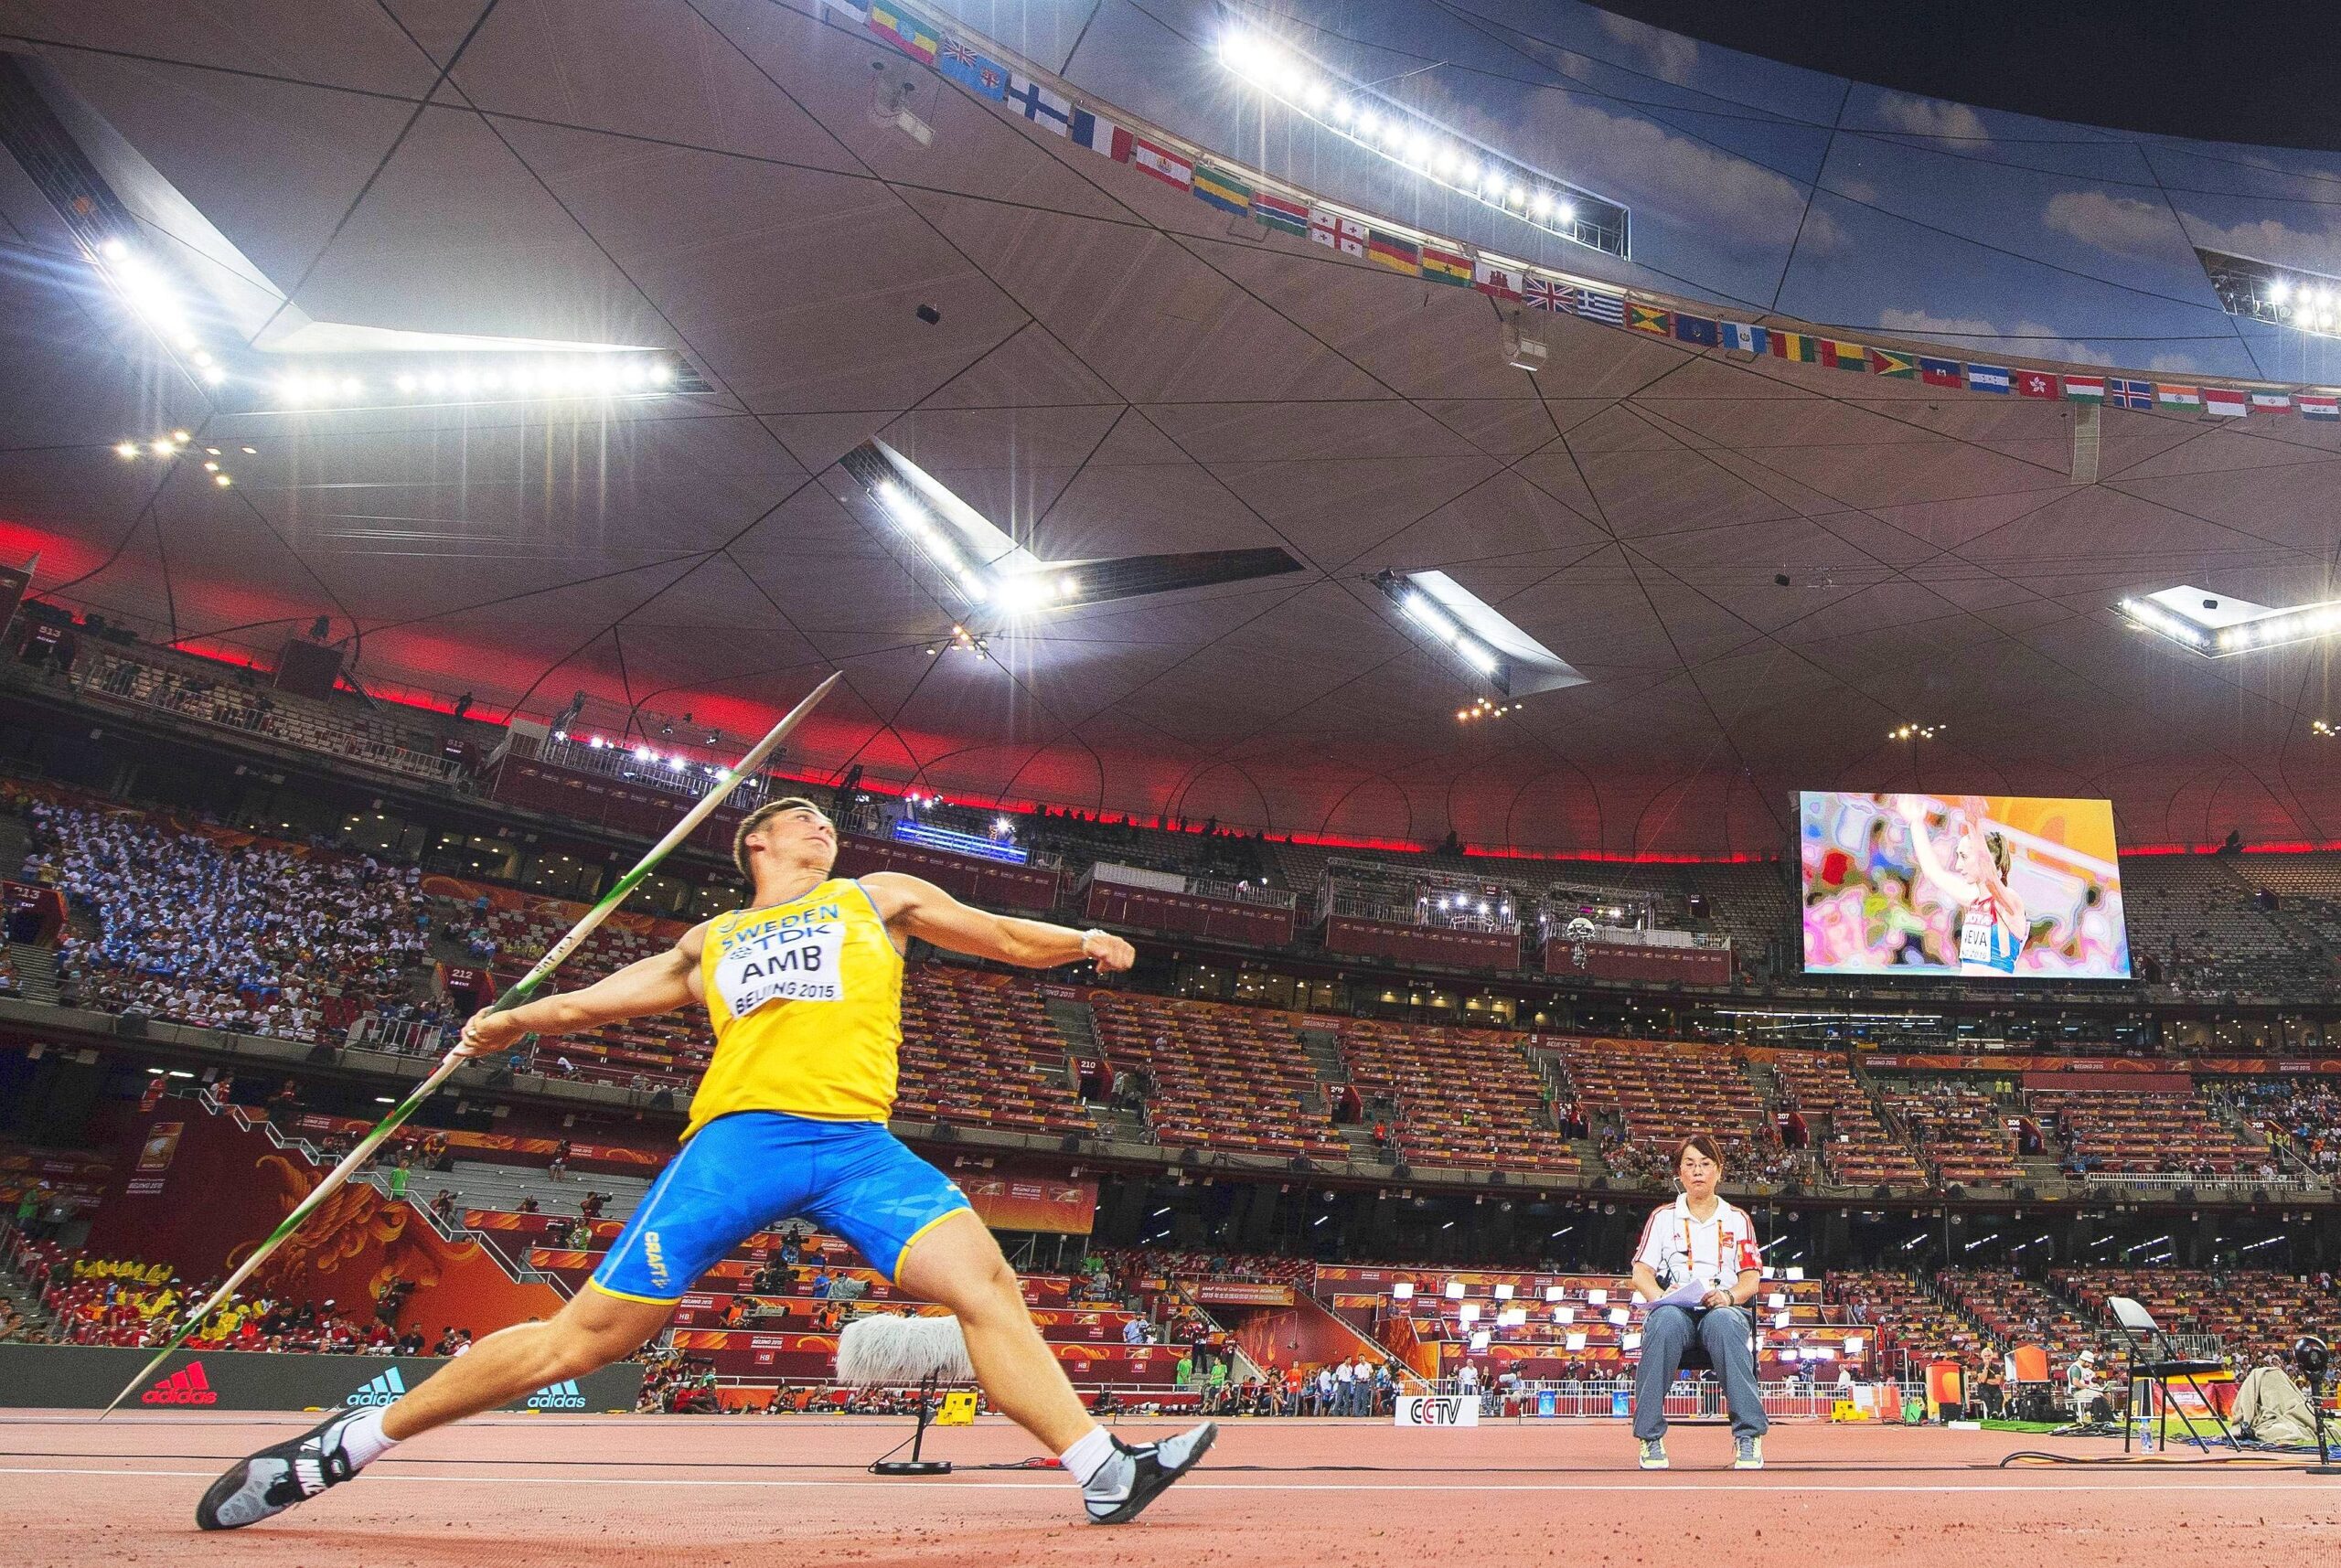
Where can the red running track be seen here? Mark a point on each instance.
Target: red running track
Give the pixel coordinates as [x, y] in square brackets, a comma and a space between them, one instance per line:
[510, 1491]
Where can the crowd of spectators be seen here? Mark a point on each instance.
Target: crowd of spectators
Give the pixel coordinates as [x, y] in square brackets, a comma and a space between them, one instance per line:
[2298, 1118]
[257, 937]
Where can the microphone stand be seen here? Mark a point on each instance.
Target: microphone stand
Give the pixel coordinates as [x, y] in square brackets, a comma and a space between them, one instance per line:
[914, 1466]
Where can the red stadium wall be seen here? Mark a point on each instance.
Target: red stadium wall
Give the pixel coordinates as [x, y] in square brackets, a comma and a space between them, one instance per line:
[1631, 961]
[198, 1192]
[1110, 904]
[1421, 943]
[1303, 1334]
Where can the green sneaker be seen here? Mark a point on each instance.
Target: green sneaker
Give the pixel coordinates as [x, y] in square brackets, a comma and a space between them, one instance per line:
[1750, 1455]
[1653, 1453]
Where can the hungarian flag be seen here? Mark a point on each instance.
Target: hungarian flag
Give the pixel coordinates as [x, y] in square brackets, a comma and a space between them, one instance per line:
[1942, 373]
[2317, 408]
[2035, 384]
[1394, 252]
[1446, 267]
[1650, 318]
[1795, 346]
[2178, 397]
[2227, 402]
[2274, 403]
[2085, 388]
[1171, 169]
[1282, 213]
[1894, 366]
[1335, 232]
[1489, 278]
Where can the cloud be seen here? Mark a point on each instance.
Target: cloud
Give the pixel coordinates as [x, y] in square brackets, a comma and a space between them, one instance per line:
[1974, 334]
[2119, 224]
[2272, 240]
[1932, 117]
[1741, 205]
[1671, 57]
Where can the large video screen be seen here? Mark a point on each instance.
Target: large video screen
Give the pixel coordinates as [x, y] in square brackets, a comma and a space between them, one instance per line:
[2006, 887]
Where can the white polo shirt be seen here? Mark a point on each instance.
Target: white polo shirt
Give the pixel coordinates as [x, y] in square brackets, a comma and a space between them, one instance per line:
[1680, 1248]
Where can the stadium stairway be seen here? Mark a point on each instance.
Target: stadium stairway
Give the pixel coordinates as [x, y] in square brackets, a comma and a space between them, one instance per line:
[15, 843]
[1324, 1053]
[35, 972]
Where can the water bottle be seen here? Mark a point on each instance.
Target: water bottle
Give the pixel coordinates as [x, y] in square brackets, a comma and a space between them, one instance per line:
[2145, 1434]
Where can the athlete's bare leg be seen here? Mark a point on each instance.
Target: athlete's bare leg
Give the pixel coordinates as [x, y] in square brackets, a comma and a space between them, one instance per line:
[589, 1332]
[960, 1264]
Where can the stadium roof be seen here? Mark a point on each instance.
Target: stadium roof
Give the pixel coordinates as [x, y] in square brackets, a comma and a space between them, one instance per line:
[1117, 369]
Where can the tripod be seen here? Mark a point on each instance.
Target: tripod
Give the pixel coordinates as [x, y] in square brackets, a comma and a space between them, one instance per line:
[2315, 1360]
[914, 1466]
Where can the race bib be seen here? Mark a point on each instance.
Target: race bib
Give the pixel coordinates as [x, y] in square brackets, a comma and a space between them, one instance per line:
[1975, 939]
[799, 961]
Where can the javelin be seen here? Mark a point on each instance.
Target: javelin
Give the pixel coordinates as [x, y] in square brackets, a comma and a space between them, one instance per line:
[512, 997]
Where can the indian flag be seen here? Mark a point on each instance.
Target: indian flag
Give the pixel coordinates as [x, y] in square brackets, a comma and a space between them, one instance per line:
[2172, 397]
[2085, 388]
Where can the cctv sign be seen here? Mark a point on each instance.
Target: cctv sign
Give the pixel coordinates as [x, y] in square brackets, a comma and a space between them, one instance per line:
[1439, 1410]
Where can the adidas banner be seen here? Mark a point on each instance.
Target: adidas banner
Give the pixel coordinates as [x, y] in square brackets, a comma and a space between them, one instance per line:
[84, 1377]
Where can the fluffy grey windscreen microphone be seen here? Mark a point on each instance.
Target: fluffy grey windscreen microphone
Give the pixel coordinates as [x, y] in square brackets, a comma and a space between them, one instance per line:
[885, 1351]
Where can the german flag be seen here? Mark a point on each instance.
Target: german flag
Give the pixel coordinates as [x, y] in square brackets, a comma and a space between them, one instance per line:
[1398, 255]
[1650, 318]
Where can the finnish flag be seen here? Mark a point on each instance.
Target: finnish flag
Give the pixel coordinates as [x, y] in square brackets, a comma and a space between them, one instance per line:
[1051, 111]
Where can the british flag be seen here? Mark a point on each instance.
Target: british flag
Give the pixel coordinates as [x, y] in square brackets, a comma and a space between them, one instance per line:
[1542, 294]
[960, 52]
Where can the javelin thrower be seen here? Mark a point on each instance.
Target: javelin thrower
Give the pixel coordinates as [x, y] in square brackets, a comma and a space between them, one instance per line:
[804, 991]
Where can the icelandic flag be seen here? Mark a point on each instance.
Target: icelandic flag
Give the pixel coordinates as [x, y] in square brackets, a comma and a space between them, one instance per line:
[2123, 394]
[1543, 294]
[1595, 306]
[2317, 408]
[1051, 112]
[1101, 135]
[1743, 338]
[1988, 379]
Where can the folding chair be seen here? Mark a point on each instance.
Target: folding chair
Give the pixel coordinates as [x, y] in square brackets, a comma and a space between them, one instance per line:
[2155, 1359]
[1696, 1359]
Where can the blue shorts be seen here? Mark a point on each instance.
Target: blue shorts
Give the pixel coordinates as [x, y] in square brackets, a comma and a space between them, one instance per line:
[752, 1169]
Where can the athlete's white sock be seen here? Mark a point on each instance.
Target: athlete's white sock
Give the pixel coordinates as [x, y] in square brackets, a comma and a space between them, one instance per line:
[1089, 1456]
[363, 1439]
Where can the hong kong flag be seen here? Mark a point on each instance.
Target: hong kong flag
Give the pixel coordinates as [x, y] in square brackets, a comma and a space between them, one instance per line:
[2035, 384]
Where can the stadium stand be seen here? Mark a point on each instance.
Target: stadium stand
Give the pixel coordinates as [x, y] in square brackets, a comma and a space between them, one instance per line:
[1856, 1148]
[1462, 1097]
[2019, 1311]
[2139, 1132]
[2254, 1313]
[1962, 1134]
[1659, 1094]
[1221, 1077]
[1915, 1324]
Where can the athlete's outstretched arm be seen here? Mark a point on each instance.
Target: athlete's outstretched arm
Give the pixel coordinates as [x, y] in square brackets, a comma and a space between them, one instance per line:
[658, 983]
[1914, 812]
[919, 909]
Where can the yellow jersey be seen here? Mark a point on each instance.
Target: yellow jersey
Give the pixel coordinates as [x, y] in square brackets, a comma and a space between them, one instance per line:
[807, 1002]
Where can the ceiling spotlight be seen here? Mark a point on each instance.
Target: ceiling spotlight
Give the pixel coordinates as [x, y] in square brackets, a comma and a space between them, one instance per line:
[1541, 203]
[1368, 123]
[160, 449]
[252, 451]
[126, 449]
[1343, 111]
[210, 468]
[2279, 291]
[114, 250]
[221, 480]
[180, 436]
[213, 375]
[1516, 196]
[1317, 96]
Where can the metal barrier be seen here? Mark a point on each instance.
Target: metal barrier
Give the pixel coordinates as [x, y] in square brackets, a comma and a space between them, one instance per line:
[400, 1037]
[2181, 1179]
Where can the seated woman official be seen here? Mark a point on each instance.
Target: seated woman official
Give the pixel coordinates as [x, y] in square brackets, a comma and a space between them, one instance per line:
[1700, 1252]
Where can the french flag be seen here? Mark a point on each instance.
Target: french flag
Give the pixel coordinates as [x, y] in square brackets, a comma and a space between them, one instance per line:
[1101, 135]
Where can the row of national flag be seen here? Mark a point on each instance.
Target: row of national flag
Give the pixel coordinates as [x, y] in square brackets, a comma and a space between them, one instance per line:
[1458, 267]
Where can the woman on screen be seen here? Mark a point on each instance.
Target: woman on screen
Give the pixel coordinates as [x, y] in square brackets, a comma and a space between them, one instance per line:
[1991, 925]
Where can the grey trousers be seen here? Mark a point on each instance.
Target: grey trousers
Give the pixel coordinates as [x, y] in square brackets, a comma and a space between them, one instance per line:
[1666, 1334]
